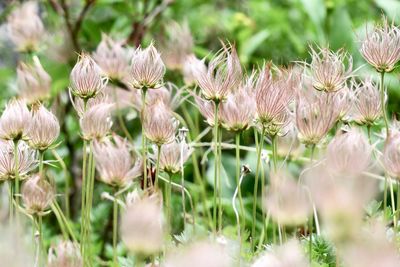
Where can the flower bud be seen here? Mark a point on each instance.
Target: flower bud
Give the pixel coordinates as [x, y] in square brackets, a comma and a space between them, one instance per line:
[15, 120]
[96, 121]
[173, 155]
[44, 128]
[37, 195]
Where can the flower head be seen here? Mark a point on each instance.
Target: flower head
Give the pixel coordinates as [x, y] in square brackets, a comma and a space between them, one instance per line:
[33, 82]
[159, 123]
[366, 102]
[381, 47]
[37, 195]
[96, 121]
[15, 120]
[44, 128]
[142, 226]
[87, 78]
[65, 254]
[328, 70]
[112, 58]
[191, 66]
[237, 112]
[114, 162]
[174, 155]
[207, 109]
[26, 160]
[223, 75]
[147, 68]
[25, 27]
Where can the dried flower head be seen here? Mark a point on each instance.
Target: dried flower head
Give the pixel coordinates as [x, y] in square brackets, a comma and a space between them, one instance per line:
[288, 255]
[159, 123]
[316, 115]
[25, 28]
[178, 45]
[96, 122]
[287, 201]
[15, 120]
[26, 160]
[273, 96]
[349, 153]
[328, 70]
[191, 66]
[366, 102]
[112, 58]
[200, 254]
[44, 128]
[391, 154]
[37, 195]
[65, 254]
[237, 112]
[142, 226]
[86, 79]
[381, 46]
[33, 82]
[224, 75]
[147, 68]
[173, 156]
[114, 161]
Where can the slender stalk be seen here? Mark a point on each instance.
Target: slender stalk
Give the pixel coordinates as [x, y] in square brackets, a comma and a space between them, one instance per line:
[16, 161]
[395, 220]
[274, 152]
[398, 198]
[310, 230]
[383, 102]
[168, 200]
[40, 247]
[10, 202]
[242, 220]
[369, 134]
[183, 186]
[90, 200]
[157, 165]
[220, 210]
[385, 189]
[63, 220]
[41, 159]
[255, 194]
[67, 182]
[83, 201]
[216, 189]
[115, 229]
[144, 141]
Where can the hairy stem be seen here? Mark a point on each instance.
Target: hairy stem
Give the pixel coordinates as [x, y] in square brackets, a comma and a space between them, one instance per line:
[383, 102]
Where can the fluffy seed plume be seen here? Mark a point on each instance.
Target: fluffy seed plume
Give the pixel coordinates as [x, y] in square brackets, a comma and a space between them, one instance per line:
[37, 195]
[96, 122]
[191, 66]
[65, 254]
[173, 155]
[15, 120]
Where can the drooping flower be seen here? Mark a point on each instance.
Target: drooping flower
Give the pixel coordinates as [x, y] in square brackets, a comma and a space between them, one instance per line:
[173, 156]
[37, 195]
[96, 122]
[115, 163]
[381, 46]
[328, 70]
[237, 112]
[224, 75]
[366, 102]
[33, 82]
[86, 79]
[112, 58]
[159, 123]
[191, 66]
[15, 120]
[44, 128]
[147, 68]
[142, 226]
[25, 27]
[273, 96]
[65, 254]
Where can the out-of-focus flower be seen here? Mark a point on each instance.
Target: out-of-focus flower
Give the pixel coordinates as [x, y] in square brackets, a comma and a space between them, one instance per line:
[33, 82]
[178, 45]
[44, 128]
[224, 75]
[289, 144]
[25, 27]
[96, 121]
[316, 114]
[26, 160]
[173, 155]
[159, 124]
[65, 254]
[273, 96]
[142, 226]
[287, 201]
[86, 79]
[112, 58]
[99, 99]
[237, 112]
[14, 250]
[207, 109]
[328, 70]
[349, 153]
[15, 120]
[200, 254]
[381, 47]
[191, 66]
[366, 102]
[147, 68]
[391, 154]
[288, 255]
[170, 94]
[114, 162]
[37, 195]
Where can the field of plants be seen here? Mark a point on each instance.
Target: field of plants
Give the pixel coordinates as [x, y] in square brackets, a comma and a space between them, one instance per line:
[176, 133]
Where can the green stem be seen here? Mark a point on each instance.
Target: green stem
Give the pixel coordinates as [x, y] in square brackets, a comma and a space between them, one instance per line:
[10, 202]
[215, 223]
[369, 134]
[90, 201]
[144, 141]
[220, 210]
[40, 247]
[41, 159]
[157, 165]
[16, 161]
[393, 206]
[115, 229]
[274, 152]
[63, 220]
[168, 200]
[83, 200]
[243, 220]
[385, 189]
[67, 182]
[310, 230]
[255, 194]
[383, 102]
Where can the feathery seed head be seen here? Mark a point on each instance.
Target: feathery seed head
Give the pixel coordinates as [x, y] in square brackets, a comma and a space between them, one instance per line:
[191, 66]
[173, 155]
[207, 109]
[37, 195]
[96, 122]
[15, 120]
[65, 254]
